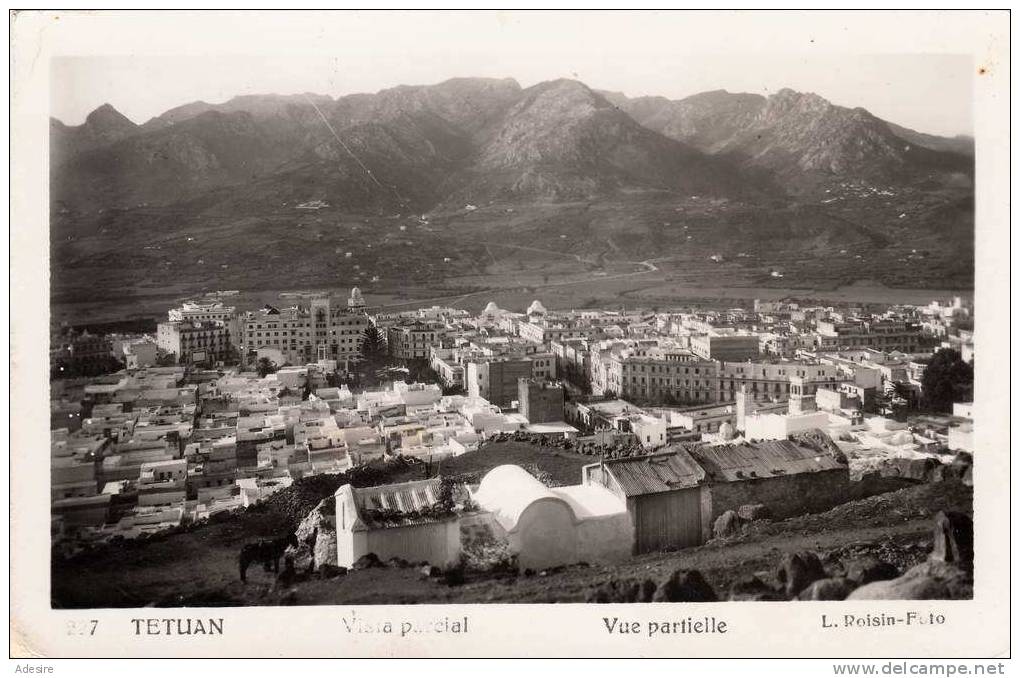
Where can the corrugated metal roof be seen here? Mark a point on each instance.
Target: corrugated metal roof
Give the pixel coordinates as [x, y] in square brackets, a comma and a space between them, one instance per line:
[690, 464]
[405, 498]
[765, 459]
[672, 470]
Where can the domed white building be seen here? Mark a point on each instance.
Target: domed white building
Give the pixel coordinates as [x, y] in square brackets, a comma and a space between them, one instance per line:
[547, 526]
[492, 310]
[536, 308]
[355, 300]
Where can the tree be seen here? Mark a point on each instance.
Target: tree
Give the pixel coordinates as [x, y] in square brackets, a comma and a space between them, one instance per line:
[265, 366]
[947, 380]
[233, 356]
[373, 348]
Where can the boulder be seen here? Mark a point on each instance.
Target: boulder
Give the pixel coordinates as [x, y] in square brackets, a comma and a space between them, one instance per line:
[931, 580]
[329, 571]
[648, 591]
[726, 525]
[429, 571]
[954, 538]
[454, 576]
[749, 512]
[917, 470]
[834, 588]
[685, 586]
[954, 471]
[963, 459]
[798, 570]
[325, 546]
[316, 536]
[367, 561]
[968, 477]
[752, 588]
[867, 569]
[397, 562]
[622, 591]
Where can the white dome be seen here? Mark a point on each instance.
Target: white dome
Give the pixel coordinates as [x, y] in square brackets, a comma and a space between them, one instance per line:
[536, 308]
[491, 308]
[508, 491]
[726, 431]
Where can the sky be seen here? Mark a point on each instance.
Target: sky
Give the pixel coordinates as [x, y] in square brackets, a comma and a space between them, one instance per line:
[637, 54]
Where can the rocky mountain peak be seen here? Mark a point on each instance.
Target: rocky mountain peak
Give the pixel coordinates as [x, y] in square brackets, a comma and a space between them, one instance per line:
[107, 119]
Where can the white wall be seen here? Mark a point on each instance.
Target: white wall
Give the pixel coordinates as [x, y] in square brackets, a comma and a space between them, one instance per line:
[780, 426]
[545, 535]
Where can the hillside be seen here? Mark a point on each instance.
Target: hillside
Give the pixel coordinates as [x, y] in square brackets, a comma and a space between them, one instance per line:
[895, 526]
[208, 195]
[563, 141]
[805, 139]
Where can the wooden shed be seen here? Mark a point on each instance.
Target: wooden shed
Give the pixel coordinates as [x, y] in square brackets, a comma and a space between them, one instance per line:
[665, 495]
[789, 477]
[673, 497]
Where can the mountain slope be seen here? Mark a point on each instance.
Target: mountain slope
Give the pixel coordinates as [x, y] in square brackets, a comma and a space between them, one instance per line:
[480, 138]
[962, 144]
[707, 120]
[803, 138]
[102, 127]
[170, 164]
[561, 140]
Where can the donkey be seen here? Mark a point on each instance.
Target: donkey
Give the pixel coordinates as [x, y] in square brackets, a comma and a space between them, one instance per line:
[266, 551]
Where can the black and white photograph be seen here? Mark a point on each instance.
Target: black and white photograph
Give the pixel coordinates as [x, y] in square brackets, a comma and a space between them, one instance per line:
[515, 308]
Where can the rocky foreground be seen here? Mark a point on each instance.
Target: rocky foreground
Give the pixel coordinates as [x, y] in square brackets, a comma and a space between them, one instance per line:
[914, 543]
[947, 573]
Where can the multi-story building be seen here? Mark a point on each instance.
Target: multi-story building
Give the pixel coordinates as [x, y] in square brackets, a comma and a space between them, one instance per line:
[785, 344]
[303, 335]
[725, 346]
[443, 361]
[496, 379]
[541, 331]
[540, 401]
[655, 373]
[773, 380]
[884, 335]
[195, 341]
[196, 311]
[543, 365]
[80, 351]
[413, 340]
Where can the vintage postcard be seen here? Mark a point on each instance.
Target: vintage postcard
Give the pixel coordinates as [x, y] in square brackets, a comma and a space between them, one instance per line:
[499, 334]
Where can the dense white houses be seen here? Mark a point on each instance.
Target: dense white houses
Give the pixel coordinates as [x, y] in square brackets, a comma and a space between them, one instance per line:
[150, 447]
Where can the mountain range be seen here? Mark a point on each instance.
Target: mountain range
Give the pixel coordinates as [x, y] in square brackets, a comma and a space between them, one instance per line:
[434, 149]
[482, 139]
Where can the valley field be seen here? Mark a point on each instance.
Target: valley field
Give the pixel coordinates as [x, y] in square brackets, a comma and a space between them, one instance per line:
[648, 250]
